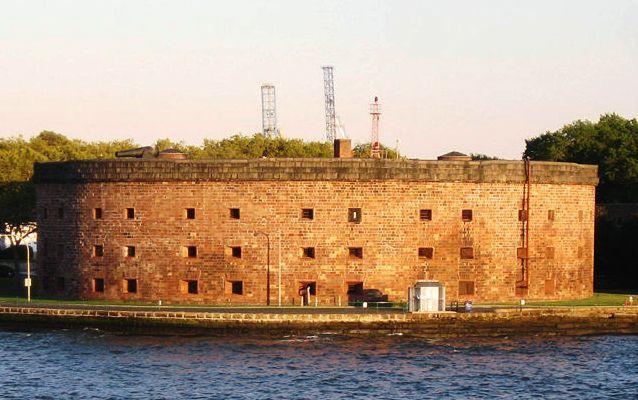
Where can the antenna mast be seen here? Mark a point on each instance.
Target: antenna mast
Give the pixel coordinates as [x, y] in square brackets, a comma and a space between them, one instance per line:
[268, 111]
[329, 89]
[375, 112]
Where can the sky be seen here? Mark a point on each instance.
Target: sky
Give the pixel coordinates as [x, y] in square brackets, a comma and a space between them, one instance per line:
[476, 77]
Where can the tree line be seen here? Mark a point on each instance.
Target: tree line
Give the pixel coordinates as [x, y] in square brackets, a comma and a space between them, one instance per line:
[17, 156]
[611, 143]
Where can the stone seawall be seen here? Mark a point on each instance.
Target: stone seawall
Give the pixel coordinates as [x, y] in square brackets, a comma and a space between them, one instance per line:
[500, 322]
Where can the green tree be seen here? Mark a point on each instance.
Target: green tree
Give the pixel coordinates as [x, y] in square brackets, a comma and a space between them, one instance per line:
[17, 193]
[363, 151]
[482, 157]
[611, 143]
[17, 219]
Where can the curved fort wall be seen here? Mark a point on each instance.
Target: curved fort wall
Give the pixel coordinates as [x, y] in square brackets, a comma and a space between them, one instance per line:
[137, 229]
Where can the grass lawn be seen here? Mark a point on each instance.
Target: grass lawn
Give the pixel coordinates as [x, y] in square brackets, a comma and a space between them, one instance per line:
[598, 299]
[9, 294]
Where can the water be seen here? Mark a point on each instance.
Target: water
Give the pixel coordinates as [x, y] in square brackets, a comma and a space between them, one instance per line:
[94, 364]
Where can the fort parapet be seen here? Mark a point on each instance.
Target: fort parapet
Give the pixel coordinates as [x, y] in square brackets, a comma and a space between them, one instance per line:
[154, 170]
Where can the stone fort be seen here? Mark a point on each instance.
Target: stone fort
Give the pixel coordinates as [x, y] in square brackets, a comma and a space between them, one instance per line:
[249, 231]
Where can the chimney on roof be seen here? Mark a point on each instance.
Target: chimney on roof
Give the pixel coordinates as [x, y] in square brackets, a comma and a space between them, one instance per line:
[342, 148]
[171, 154]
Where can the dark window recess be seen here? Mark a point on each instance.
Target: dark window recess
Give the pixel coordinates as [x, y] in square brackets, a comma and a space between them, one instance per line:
[237, 287]
[522, 215]
[355, 288]
[520, 252]
[466, 215]
[234, 213]
[130, 251]
[551, 215]
[354, 215]
[466, 288]
[426, 252]
[98, 285]
[309, 252]
[59, 283]
[425, 215]
[355, 252]
[467, 252]
[236, 251]
[97, 213]
[307, 213]
[130, 213]
[192, 287]
[191, 251]
[60, 212]
[45, 213]
[98, 250]
[130, 285]
[190, 213]
[308, 287]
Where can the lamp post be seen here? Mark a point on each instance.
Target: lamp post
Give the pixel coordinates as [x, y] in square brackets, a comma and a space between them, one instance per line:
[267, 266]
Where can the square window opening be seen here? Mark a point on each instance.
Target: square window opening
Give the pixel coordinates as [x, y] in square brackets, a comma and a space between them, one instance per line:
[307, 288]
[98, 250]
[309, 252]
[466, 288]
[130, 251]
[521, 252]
[130, 285]
[97, 213]
[235, 251]
[130, 213]
[426, 252]
[191, 251]
[190, 286]
[467, 215]
[307, 213]
[237, 287]
[467, 253]
[354, 215]
[190, 213]
[234, 213]
[355, 252]
[98, 285]
[425, 215]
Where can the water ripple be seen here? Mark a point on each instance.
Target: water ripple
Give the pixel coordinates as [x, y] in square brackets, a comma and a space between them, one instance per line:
[69, 364]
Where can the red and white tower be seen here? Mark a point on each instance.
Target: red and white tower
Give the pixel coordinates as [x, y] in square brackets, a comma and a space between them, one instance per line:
[375, 111]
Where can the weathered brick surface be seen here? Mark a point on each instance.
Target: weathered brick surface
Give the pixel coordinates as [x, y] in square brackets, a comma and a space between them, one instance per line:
[271, 194]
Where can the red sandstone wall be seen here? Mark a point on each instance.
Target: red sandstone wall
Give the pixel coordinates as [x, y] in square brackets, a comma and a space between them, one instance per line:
[561, 251]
